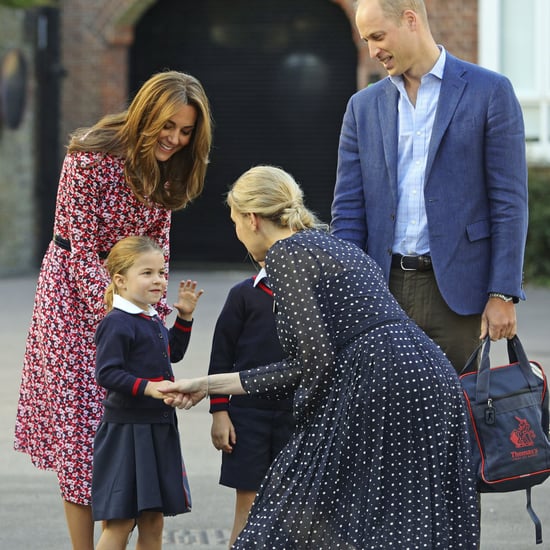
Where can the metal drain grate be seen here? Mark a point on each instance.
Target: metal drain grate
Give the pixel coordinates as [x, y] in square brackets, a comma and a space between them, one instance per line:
[207, 538]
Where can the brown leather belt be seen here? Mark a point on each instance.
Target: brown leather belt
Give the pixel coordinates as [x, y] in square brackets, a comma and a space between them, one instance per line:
[412, 263]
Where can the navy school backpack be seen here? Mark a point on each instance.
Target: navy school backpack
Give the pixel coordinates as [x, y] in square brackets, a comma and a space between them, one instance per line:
[509, 418]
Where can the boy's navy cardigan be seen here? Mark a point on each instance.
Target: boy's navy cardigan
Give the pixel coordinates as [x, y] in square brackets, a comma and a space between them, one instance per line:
[245, 337]
[133, 348]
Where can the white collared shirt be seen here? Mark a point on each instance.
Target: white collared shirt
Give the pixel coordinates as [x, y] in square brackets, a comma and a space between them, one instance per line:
[261, 275]
[125, 305]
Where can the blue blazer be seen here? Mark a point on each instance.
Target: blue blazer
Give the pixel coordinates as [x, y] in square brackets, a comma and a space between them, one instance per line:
[475, 185]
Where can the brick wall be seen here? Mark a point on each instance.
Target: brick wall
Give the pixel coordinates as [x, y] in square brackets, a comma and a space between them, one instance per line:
[95, 37]
[454, 24]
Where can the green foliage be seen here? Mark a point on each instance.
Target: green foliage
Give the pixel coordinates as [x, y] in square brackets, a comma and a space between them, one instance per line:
[537, 253]
[22, 4]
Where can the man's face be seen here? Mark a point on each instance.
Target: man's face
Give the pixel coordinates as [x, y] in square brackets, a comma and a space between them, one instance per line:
[389, 41]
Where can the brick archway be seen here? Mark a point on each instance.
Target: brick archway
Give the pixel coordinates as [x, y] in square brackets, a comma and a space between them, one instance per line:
[95, 39]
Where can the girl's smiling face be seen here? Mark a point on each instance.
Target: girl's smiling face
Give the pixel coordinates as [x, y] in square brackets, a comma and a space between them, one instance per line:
[144, 283]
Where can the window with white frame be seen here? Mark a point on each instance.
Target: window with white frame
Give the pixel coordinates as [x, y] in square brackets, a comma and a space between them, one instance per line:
[514, 39]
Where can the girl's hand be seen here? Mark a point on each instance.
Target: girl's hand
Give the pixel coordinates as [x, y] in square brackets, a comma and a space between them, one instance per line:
[188, 296]
[151, 390]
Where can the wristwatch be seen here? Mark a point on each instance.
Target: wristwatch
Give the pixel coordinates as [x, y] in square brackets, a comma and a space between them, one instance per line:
[504, 297]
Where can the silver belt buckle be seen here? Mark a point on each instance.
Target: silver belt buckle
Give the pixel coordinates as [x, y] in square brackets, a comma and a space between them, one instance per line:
[401, 262]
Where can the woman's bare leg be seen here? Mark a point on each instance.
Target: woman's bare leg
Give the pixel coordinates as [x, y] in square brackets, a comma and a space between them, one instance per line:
[115, 534]
[80, 524]
[243, 503]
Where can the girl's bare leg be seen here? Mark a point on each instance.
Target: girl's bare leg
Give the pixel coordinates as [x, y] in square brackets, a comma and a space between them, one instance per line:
[150, 526]
[80, 525]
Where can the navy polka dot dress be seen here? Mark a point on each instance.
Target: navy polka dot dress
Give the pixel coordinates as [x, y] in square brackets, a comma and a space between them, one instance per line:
[380, 458]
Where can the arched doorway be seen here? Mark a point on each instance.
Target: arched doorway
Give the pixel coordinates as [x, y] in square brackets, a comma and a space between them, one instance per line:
[278, 74]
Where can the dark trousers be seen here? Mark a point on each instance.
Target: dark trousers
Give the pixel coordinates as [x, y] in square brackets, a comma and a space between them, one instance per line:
[457, 335]
[418, 294]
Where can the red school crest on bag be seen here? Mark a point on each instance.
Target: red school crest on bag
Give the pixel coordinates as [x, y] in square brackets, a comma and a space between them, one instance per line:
[522, 436]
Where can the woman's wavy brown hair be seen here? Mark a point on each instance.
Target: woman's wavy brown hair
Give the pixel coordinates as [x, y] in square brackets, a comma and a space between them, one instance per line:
[133, 135]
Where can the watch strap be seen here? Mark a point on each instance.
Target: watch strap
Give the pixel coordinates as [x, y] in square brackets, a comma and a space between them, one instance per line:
[505, 297]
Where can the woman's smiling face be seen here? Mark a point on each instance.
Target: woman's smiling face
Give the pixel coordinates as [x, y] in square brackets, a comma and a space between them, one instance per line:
[177, 133]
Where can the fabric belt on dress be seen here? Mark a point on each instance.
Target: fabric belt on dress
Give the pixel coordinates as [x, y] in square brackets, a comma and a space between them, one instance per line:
[412, 263]
[65, 244]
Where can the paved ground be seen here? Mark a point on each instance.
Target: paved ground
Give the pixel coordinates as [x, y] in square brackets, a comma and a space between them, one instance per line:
[31, 514]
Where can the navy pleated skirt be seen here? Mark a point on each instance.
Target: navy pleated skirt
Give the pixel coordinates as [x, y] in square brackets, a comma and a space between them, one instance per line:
[138, 467]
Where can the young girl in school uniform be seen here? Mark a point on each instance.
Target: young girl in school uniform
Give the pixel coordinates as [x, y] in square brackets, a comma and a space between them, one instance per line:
[138, 471]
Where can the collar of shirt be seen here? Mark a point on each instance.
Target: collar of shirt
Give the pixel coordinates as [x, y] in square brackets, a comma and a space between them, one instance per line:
[125, 305]
[261, 275]
[437, 70]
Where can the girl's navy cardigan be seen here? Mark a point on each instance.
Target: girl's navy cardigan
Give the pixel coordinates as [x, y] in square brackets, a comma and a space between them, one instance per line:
[133, 348]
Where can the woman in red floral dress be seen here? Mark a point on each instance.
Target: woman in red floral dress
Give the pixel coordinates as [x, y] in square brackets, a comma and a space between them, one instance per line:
[121, 177]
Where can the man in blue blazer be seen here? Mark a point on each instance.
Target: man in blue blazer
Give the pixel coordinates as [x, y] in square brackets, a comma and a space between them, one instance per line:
[432, 181]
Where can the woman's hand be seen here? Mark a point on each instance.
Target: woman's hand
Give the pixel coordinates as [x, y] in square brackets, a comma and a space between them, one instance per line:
[185, 393]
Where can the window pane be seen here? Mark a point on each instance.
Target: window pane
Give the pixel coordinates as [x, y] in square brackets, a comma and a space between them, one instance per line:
[531, 116]
[517, 38]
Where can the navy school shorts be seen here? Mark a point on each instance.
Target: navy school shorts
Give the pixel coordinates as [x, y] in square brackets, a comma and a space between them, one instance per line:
[261, 434]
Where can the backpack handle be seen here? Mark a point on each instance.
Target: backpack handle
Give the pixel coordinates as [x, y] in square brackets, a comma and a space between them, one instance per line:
[516, 354]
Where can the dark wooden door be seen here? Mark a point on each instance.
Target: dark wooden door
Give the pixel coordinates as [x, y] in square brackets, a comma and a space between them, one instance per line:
[278, 74]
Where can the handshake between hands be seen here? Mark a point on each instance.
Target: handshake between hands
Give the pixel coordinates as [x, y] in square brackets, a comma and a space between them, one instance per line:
[183, 394]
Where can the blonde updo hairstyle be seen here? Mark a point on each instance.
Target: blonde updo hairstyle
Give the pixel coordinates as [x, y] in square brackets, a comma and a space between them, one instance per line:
[122, 257]
[273, 194]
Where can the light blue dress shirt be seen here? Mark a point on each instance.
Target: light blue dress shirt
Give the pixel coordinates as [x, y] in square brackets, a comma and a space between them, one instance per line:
[415, 131]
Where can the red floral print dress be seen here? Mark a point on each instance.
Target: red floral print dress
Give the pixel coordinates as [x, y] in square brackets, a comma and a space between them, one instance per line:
[60, 402]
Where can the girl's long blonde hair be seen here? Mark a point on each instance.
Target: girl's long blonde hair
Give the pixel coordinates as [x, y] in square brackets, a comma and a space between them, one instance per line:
[122, 257]
[133, 135]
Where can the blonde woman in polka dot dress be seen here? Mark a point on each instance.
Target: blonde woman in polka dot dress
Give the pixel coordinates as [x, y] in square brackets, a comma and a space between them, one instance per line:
[123, 176]
[380, 457]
